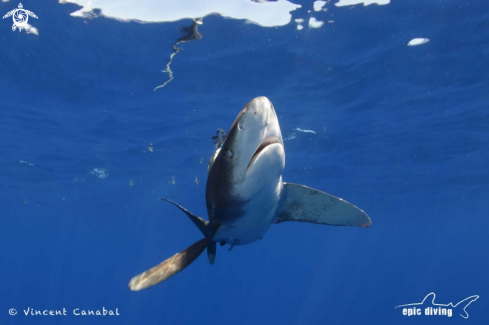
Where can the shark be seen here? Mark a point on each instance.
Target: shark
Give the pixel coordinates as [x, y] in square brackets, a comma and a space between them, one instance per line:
[245, 194]
[431, 308]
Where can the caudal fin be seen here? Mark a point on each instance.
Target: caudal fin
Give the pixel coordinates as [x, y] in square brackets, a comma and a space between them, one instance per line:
[464, 304]
[171, 266]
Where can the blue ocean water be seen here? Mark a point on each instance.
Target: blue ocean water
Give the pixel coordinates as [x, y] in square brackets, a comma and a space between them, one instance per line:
[87, 148]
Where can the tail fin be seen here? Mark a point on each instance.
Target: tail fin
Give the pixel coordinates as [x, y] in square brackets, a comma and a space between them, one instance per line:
[171, 266]
[464, 304]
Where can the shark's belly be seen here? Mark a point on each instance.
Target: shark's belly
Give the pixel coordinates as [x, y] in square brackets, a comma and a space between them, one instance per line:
[255, 219]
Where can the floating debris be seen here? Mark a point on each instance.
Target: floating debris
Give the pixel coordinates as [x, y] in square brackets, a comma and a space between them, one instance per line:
[101, 173]
[25, 162]
[291, 137]
[131, 184]
[300, 27]
[305, 131]
[25, 201]
[190, 34]
[201, 160]
[418, 41]
[196, 181]
[173, 181]
[342, 3]
[150, 148]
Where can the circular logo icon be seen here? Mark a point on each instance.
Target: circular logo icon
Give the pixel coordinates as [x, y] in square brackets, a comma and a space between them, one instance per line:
[20, 18]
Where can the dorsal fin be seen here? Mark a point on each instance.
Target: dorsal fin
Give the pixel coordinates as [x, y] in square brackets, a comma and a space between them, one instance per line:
[203, 225]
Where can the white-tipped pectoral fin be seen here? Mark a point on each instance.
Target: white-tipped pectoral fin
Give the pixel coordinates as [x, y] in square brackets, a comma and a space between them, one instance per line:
[305, 204]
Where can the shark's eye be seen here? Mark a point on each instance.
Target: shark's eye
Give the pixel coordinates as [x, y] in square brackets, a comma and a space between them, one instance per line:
[229, 153]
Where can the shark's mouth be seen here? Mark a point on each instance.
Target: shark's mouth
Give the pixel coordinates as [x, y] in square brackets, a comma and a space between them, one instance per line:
[265, 143]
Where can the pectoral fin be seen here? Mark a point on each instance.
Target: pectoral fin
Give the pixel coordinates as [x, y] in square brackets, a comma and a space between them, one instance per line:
[171, 266]
[302, 203]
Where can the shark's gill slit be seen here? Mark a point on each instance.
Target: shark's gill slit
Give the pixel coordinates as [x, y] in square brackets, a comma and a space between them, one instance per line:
[262, 146]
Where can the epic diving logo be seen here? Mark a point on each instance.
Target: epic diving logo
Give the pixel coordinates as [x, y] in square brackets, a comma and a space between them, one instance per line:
[20, 17]
[428, 308]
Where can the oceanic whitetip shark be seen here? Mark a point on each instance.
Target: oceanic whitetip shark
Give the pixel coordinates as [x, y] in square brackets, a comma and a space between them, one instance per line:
[245, 194]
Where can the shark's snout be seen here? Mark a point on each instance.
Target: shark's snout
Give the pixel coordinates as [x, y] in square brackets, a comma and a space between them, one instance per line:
[257, 115]
[254, 129]
[256, 124]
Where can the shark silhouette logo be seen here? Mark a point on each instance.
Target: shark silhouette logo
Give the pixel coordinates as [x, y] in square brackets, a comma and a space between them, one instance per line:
[430, 308]
[20, 17]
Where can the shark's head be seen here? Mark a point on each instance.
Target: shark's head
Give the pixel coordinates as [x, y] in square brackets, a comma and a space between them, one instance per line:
[253, 142]
[255, 128]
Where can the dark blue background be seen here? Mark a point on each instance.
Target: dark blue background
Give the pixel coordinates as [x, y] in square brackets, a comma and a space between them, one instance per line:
[401, 132]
